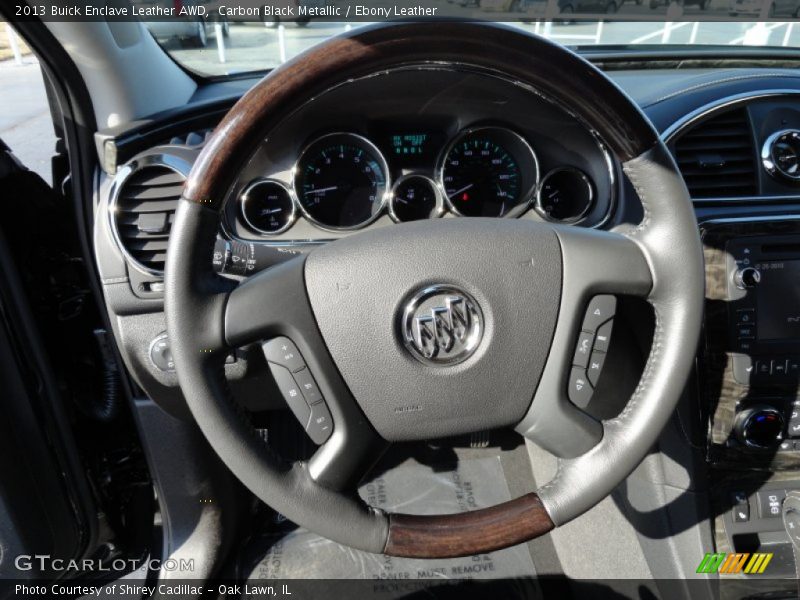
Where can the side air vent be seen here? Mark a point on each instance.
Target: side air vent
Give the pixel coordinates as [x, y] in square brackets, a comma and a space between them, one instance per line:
[193, 139]
[143, 212]
[717, 157]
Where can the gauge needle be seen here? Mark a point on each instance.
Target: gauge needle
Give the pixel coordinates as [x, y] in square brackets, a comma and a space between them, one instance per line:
[271, 211]
[322, 190]
[464, 189]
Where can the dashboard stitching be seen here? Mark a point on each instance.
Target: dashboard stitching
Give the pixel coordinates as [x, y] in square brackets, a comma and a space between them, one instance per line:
[716, 82]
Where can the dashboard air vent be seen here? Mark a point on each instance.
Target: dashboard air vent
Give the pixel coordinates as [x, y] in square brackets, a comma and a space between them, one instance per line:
[143, 214]
[717, 157]
[193, 139]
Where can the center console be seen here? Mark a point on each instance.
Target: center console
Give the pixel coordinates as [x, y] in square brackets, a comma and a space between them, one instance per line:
[763, 289]
[752, 342]
[749, 374]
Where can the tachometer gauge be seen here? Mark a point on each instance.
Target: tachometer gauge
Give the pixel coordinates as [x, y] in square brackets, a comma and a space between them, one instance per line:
[415, 197]
[341, 181]
[489, 172]
[566, 195]
[267, 206]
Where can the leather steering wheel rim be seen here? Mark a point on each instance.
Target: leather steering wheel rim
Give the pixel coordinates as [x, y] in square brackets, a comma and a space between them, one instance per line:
[659, 259]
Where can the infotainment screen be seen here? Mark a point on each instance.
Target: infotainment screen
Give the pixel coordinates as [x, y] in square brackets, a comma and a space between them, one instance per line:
[778, 298]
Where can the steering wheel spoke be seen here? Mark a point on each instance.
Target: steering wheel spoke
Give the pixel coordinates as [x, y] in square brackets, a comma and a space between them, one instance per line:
[601, 262]
[342, 462]
[272, 308]
[597, 266]
[267, 305]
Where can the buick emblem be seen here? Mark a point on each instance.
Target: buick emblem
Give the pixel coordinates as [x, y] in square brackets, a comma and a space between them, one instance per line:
[442, 325]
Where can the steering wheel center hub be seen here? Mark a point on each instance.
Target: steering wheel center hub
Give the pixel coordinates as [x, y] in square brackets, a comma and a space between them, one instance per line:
[442, 325]
[456, 315]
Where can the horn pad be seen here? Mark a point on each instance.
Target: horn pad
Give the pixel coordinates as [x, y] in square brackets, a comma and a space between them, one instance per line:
[439, 327]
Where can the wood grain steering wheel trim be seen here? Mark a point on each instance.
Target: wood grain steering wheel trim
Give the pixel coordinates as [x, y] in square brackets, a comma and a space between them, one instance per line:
[466, 534]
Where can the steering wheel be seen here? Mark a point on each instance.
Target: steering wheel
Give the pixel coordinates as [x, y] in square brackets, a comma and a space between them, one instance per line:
[409, 336]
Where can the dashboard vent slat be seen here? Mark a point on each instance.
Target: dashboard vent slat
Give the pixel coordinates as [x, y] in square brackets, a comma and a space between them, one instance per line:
[717, 157]
[166, 178]
[139, 192]
[142, 232]
[137, 206]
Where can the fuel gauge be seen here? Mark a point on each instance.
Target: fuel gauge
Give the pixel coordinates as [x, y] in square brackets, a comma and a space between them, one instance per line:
[415, 197]
[566, 195]
[267, 206]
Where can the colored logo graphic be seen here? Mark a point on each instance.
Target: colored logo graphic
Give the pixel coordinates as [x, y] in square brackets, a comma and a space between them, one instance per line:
[742, 562]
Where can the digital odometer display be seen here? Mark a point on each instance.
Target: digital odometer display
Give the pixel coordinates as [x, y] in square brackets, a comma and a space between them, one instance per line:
[489, 172]
[410, 144]
[409, 147]
[341, 181]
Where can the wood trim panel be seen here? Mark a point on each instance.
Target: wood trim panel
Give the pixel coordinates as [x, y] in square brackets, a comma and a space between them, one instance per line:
[469, 533]
[560, 75]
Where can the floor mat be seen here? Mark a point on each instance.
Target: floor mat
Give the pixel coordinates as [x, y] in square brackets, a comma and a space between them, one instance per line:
[411, 488]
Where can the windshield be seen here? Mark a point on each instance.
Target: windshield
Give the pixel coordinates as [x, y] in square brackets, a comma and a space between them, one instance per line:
[252, 46]
[219, 46]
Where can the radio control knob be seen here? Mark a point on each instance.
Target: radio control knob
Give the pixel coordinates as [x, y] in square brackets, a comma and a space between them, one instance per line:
[759, 426]
[747, 278]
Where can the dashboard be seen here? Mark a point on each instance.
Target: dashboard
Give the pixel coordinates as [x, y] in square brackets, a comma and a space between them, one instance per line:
[442, 143]
[431, 142]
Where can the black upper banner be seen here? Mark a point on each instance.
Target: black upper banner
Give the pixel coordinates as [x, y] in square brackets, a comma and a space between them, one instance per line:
[227, 11]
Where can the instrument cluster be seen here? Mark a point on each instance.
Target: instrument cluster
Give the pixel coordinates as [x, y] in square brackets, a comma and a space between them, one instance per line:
[344, 181]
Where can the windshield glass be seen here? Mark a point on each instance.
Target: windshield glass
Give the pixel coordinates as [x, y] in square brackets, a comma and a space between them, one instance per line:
[227, 46]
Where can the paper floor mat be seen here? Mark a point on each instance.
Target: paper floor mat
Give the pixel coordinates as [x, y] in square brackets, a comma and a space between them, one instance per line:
[415, 489]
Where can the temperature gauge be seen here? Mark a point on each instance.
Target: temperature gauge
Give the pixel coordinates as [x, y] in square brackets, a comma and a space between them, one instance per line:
[415, 197]
[566, 195]
[267, 206]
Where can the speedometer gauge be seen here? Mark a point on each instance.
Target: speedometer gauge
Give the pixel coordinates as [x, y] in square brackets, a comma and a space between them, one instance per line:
[341, 181]
[488, 172]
